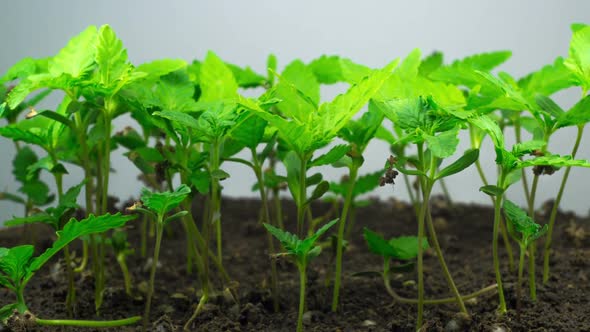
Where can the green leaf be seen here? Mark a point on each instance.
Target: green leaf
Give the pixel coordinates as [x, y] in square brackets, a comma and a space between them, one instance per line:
[579, 56]
[219, 174]
[201, 180]
[307, 245]
[158, 68]
[319, 191]
[578, 115]
[468, 158]
[111, 58]
[378, 245]
[250, 130]
[431, 63]
[216, 80]
[20, 135]
[246, 77]
[528, 147]
[14, 262]
[444, 144]
[37, 191]
[179, 118]
[485, 123]
[77, 58]
[548, 80]
[163, 202]
[332, 156]
[41, 217]
[23, 159]
[289, 241]
[553, 160]
[407, 246]
[492, 190]
[75, 229]
[548, 105]
[522, 223]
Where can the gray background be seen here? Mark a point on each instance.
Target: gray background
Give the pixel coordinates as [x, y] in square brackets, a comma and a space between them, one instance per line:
[245, 32]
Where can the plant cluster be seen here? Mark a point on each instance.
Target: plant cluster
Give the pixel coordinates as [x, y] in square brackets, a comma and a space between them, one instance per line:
[191, 119]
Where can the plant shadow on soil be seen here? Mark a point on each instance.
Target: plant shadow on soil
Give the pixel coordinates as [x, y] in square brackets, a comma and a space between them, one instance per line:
[464, 233]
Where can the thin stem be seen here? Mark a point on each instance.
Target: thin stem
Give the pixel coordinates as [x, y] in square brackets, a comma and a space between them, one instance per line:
[21, 305]
[266, 218]
[525, 181]
[413, 199]
[497, 216]
[421, 217]
[341, 227]
[554, 209]
[150, 292]
[532, 247]
[446, 192]
[278, 207]
[302, 281]
[215, 197]
[71, 296]
[126, 276]
[202, 301]
[302, 196]
[87, 323]
[520, 277]
[443, 264]
[84, 262]
[444, 300]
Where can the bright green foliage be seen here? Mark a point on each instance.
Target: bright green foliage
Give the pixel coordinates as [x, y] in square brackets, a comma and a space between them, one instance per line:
[468, 158]
[162, 203]
[400, 248]
[579, 55]
[17, 264]
[364, 184]
[523, 224]
[312, 127]
[302, 250]
[53, 216]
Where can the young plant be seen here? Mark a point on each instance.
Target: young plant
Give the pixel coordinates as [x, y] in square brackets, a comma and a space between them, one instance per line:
[157, 206]
[57, 217]
[579, 67]
[18, 266]
[529, 232]
[302, 251]
[403, 250]
[358, 134]
[432, 124]
[511, 165]
[305, 127]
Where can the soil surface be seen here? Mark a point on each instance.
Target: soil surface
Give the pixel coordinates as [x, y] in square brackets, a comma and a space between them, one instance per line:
[464, 233]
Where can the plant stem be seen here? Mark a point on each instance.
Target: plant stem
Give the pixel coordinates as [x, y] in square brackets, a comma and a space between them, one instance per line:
[278, 208]
[532, 247]
[446, 192]
[421, 217]
[84, 262]
[71, 296]
[497, 216]
[302, 196]
[554, 209]
[503, 231]
[126, 276]
[202, 301]
[341, 226]
[444, 300]
[302, 281]
[150, 291]
[443, 264]
[520, 275]
[87, 323]
[21, 305]
[525, 182]
[215, 196]
[413, 199]
[266, 218]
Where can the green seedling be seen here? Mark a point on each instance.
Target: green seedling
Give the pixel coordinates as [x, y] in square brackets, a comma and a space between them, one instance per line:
[56, 217]
[579, 66]
[521, 223]
[306, 127]
[18, 266]
[358, 134]
[158, 206]
[511, 164]
[302, 251]
[403, 250]
[432, 124]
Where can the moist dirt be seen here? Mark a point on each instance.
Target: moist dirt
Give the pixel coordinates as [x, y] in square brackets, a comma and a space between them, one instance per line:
[464, 232]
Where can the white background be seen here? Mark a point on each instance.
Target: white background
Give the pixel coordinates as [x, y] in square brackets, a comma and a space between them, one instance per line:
[245, 32]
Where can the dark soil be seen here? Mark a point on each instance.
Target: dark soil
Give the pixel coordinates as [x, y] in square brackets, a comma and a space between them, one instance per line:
[465, 236]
